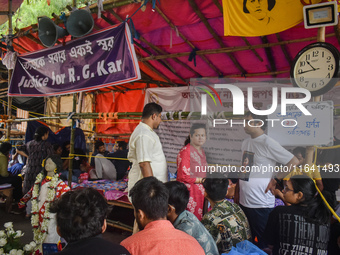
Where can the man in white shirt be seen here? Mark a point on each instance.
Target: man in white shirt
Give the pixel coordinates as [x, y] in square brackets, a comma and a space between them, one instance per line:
[259, 153]
[145, 148]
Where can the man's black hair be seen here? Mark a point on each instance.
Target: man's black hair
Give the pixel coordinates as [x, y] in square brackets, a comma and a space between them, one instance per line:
[66, 143]
[56, 146]
[271, 4]
[178, 195]
[5, 148]
[301, 150]
[151, 196]
[98, 144]
[257, 117]
[192, 131]
[80, 214]
[150, 109]
[122, 144]
[216, 187]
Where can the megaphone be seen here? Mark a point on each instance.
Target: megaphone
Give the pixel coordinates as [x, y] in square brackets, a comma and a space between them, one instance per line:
[49, 32]
[79, 23]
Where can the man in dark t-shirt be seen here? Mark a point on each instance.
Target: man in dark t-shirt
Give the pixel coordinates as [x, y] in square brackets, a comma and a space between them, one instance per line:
[81, 219]
[120, 164]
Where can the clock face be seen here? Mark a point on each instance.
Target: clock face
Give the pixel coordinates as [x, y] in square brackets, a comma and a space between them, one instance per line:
[315, 68]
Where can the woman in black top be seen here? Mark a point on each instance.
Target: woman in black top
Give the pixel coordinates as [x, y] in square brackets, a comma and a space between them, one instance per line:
[303, 227]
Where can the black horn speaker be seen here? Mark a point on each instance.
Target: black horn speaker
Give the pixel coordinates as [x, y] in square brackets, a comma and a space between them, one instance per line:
[49, 32]
[79, 23]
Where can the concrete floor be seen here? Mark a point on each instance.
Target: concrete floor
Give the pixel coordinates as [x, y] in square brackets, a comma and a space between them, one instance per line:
[20, 223]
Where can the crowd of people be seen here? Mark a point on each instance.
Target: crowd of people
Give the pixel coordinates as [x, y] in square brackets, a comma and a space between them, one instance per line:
[191, 215]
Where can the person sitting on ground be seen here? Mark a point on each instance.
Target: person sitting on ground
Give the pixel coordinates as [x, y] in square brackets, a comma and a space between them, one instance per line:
[81, 219]
[121, 165]
[99, 148]
[104, 168]
[57, 149]
[185, 220]
[17, 162]
[157, 236]
[302, 227]
[7, 177]
[77, 165]
[226, 222]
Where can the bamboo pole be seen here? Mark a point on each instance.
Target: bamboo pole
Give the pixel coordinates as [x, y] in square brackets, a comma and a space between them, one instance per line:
[80, 102]
[162, 52]
[10, 30]
[269, 55]
[218, 5]
[216, 37]
[252, 50]
[73, 132]
[153, 69]
[155, 48]
[219, 73]
[310, 149]
[284, 50]
[164, 62]
[233, 49]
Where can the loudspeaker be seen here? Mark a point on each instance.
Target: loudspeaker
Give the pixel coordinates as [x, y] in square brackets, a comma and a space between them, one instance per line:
[79, 23]
[49, 32]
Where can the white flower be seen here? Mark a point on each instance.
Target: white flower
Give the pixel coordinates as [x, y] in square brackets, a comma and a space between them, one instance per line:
[35, 220]
[33, 244]
[13, 252]
[8, 225]
[2, 251]
[28, 247]
[3, 241]
[19, 233]
[20, 252]
[2, 233]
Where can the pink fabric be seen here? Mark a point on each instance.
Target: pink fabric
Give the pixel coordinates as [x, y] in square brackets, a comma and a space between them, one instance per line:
[160, 237]
[154, 29]
[187, 159]
[115, 194]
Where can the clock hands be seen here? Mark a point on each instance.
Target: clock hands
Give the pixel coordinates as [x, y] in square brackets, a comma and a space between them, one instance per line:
[311, 65]
[309, 70]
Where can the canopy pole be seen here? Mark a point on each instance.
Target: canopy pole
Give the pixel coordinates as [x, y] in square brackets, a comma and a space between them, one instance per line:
[10, 32]
[73, 131]
[310, 149]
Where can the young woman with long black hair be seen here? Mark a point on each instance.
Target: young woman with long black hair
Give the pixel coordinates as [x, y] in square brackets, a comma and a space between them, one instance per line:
[303, 227]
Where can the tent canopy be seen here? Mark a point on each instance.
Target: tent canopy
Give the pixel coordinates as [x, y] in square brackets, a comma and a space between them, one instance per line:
[177, 30]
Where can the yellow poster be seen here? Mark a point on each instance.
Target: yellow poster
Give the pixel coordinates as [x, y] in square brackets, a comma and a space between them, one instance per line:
[260, 17]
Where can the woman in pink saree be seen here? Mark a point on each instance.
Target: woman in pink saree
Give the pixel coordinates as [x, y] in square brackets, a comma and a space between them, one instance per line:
[190, 163]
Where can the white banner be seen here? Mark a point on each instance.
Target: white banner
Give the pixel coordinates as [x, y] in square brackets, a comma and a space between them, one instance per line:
[224, 141]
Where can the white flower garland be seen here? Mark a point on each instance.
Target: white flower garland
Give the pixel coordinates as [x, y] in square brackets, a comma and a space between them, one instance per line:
[40, 232]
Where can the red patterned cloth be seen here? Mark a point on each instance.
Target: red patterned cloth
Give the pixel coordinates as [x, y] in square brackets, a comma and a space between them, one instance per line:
[187, 160]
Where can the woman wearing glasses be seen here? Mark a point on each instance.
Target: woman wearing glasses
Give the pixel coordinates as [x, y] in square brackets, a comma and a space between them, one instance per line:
[303, 226]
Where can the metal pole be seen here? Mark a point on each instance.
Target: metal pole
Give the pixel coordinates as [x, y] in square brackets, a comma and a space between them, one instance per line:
[310, 149]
